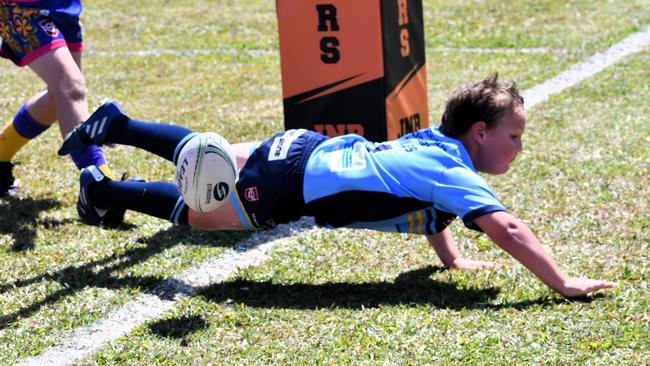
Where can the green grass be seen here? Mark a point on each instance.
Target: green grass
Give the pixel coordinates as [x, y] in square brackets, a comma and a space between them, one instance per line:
[344, 297]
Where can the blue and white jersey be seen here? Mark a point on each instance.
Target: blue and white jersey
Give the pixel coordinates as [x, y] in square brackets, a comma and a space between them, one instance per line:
[416, 184]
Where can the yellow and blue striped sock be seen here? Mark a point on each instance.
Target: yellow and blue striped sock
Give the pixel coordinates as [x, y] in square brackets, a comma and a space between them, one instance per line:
[17, 133]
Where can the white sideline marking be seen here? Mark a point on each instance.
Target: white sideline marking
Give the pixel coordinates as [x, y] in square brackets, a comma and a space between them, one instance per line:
[250, 252]
[171, 52]
[580, 71]
[255, 250]
[267, 52]
[500, 50]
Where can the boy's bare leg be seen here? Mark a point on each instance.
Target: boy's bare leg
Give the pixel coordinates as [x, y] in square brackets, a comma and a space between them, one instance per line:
[42, 106]
[66, 87]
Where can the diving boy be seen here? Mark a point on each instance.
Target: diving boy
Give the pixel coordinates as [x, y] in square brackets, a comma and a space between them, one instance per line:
[416, 184]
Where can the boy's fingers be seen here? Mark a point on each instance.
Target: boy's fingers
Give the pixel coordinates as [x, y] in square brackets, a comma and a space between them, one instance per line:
[584, 286]
[599, 285]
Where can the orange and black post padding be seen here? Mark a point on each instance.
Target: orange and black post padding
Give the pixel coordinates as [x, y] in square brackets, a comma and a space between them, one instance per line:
[353, 66]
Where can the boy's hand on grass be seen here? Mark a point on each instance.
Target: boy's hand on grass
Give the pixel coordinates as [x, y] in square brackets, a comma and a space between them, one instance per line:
[465, 263]
[575, 286]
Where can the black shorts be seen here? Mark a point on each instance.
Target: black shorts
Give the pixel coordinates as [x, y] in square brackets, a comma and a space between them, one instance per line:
[270, 184]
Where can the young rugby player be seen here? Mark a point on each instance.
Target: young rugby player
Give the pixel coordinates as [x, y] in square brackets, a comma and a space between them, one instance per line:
[47, 37]
[416, 184]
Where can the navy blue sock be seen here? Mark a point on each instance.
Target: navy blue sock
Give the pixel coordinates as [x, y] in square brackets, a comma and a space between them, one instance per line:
[159, 199]
[158, 138]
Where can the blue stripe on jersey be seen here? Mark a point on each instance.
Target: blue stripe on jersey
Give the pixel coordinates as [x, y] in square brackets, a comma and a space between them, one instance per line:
[429, 221]
[239, 210]
[389, 186]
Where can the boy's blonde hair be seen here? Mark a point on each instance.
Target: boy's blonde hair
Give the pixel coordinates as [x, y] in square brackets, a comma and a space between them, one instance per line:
[487, 100]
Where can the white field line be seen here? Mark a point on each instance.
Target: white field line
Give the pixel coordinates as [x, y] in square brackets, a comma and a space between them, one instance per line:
[9, 69]
[267, 52]
[250, 252]
[179, 53]
[257, 249]
[496, 51]
[580, 71]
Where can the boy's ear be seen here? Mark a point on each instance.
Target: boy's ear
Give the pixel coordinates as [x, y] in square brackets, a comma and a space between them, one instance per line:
[478, 131]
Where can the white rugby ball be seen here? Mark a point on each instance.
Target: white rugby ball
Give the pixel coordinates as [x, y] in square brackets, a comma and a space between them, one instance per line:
[206, 171]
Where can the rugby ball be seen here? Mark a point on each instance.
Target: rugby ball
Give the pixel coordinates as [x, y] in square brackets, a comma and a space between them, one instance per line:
[206, 171]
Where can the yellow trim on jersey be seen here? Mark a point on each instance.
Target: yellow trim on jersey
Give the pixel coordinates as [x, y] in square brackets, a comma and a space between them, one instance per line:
[413, 225]
[420, 222]
[241, 211]
[409, 217]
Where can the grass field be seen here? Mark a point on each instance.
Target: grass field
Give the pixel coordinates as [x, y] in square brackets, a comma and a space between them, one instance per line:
[344, 297]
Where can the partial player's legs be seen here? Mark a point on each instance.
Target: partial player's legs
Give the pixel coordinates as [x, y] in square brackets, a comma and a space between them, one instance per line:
[25, 126]
[159, 199]
[110, 125]
[34, 118]
[97, 193]
[66, 85]
[49, 41]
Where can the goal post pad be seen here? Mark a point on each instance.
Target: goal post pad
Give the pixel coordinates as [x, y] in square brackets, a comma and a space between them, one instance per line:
[353, 66]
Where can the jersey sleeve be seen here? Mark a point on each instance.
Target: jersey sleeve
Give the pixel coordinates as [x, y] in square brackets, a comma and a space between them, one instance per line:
[463, 192]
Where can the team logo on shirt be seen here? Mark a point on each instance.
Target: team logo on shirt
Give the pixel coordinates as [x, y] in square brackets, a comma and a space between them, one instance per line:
[49, 28]
[251, 194]
[349, 157]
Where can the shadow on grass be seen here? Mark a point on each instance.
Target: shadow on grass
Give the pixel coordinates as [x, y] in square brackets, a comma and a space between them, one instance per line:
[178, 327]
[412, 291]
[410, 288]
[102, 273]
[20, 218]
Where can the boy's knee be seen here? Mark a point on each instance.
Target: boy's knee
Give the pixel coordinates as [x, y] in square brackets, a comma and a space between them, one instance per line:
[73, 88]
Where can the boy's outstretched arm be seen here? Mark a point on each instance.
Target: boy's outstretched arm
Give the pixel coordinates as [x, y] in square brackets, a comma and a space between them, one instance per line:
[515, 237]
[444, 245]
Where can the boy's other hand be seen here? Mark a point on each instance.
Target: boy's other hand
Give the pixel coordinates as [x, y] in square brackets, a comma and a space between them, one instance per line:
[575, 286]
[465, 263]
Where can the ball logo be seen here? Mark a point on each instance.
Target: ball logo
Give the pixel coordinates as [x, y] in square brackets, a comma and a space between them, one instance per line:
[221, 191]
[180, 175]
[208, 193]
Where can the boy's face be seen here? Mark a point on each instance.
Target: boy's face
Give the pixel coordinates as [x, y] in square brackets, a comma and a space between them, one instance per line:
[501, 144]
